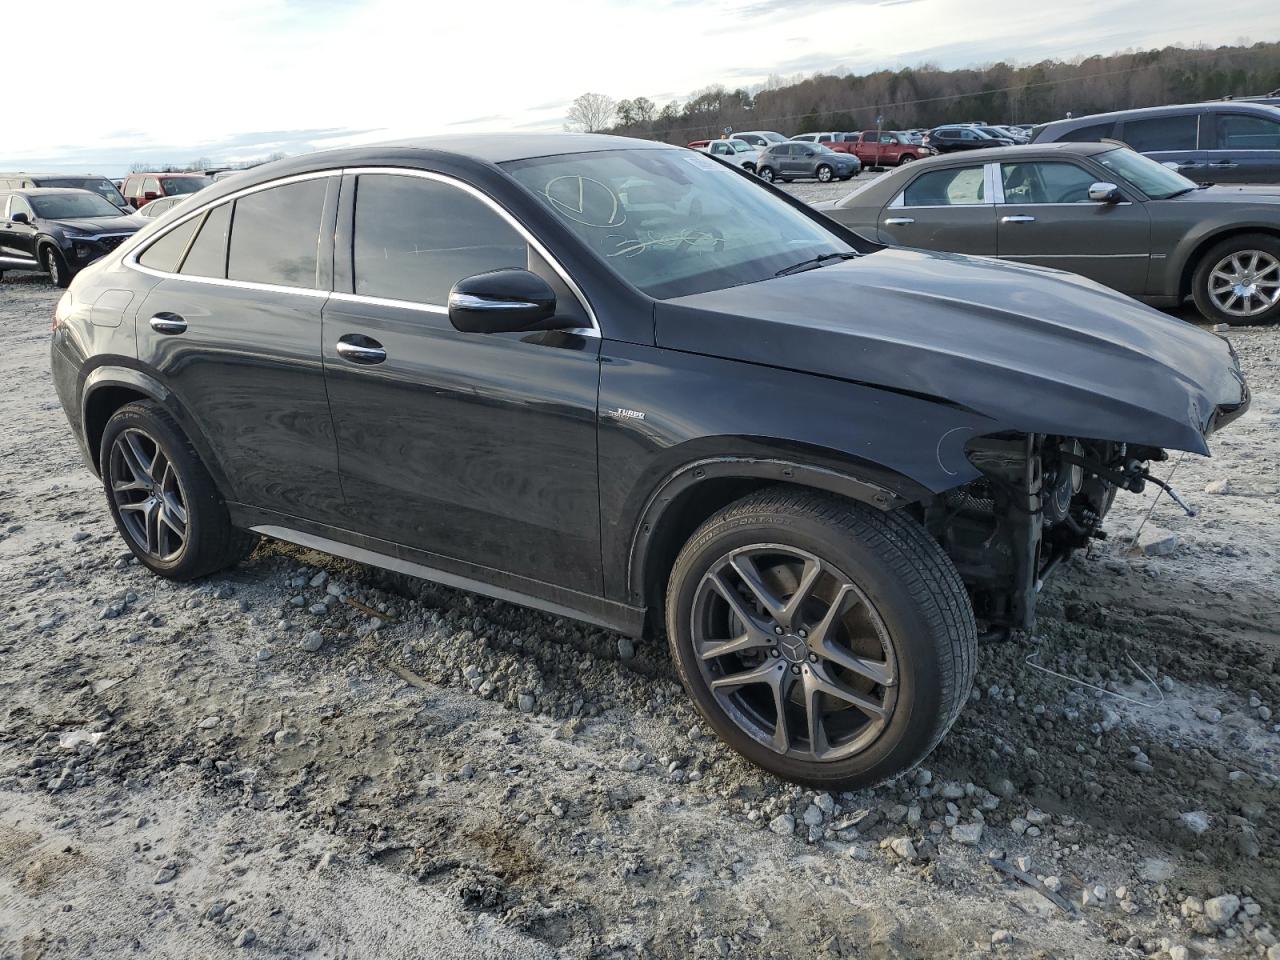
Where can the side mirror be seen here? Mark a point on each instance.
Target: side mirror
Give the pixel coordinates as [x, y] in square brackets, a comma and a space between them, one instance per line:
[1103, 192]
[502, 301]
[20, 218]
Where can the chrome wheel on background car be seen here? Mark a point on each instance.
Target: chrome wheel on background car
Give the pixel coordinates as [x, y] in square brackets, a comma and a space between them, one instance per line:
[59, 275]
[794, 652]
[148, 495]
[766, 174]
[1237, 280]
[824, 174]
[1245, 283]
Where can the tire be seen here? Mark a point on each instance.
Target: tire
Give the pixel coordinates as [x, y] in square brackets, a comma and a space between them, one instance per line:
[56, 266]
[1253, 258]
[173, 489]
[905, 159]
[767, 174]
[899, 586]
[749, 167]
[823, 173]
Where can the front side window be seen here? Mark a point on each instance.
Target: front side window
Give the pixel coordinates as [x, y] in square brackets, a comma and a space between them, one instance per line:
[66, 206]
[20, 205]
[415, 238]
[963, 186]
[208, 255]
[674, 224]
[1238, 131]
[1045, 183]
[275, 234]
[1162, 133]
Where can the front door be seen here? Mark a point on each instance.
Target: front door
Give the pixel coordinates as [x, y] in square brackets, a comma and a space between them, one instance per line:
[1048, 219]
[476, 448]
[943, 209]
[1245, 148]
[17, 240]
[234, 329]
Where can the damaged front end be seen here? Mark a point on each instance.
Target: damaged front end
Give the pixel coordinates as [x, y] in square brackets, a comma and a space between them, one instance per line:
[1038, 499]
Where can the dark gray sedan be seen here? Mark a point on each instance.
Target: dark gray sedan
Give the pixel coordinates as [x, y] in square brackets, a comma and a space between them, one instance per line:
[1096, 209]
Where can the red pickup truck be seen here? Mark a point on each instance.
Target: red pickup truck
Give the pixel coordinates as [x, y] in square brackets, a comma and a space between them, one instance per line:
[884, 149]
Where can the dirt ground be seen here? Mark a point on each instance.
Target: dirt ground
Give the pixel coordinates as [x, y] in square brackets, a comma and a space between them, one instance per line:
[304, 758]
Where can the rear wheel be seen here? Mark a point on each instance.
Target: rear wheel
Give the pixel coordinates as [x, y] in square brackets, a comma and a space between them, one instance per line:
[824, 173]
[767, 174]
[830, 643]
[1238, 280]
[163, 500]
[56, 266]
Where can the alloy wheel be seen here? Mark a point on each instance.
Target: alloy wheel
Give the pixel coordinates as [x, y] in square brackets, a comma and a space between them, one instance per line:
[148, 495]
[1245, 283]
[794, 652]
[824, 174]
[51, 260]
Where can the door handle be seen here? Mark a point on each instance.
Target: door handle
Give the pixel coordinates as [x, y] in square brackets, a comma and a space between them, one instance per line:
[1018, 219]
[1222, 164]
[898, 221]
[168, 323]
[361, 349]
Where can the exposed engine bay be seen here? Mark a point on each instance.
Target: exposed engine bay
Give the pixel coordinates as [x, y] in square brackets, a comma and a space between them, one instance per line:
[1039, 499]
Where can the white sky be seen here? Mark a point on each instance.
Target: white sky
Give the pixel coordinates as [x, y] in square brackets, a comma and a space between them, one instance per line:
[236, 79]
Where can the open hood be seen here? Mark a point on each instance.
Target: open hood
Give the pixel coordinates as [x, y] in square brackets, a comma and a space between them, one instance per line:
[1034, 350]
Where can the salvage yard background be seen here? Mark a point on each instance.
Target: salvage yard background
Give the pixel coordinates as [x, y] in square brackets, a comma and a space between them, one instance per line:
[301, 757]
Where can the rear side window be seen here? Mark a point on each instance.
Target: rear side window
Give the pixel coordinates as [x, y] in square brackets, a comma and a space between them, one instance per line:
[1090, 134]
[1162, 133]
[947, 188]
[208, 255]
[164, 253]
[415, 238]
[275, 235]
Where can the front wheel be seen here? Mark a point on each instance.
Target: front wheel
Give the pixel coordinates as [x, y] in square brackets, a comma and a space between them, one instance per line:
[824, 174]
[828, 642]
[905, 159]
[1238, 280]
[767, 174]
[56, 266]
[162, 498]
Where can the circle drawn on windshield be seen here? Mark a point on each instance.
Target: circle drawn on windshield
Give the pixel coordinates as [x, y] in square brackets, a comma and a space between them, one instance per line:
[585, 201]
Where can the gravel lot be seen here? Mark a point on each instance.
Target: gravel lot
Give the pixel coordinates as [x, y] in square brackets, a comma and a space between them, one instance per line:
[304, 758]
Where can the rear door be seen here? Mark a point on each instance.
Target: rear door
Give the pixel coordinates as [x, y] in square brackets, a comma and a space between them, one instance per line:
[1045, 217]
[475, 448]
[1243, 148]
[234, 330]
[948, 208]
[1172, 139]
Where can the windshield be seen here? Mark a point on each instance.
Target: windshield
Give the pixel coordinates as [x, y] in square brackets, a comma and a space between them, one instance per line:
[174, 185]
[1154, 179]
[674, 222]
[104, 188]
[71, 206]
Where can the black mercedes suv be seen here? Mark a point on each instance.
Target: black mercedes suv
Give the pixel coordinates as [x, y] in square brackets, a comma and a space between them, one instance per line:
[627, 383]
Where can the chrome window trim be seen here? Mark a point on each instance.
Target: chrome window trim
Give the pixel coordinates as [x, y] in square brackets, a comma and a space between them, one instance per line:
[130, 259]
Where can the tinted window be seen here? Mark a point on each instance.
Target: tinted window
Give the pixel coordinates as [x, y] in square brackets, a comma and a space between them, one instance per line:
[165, 252]
[78, 203]
[415, 238]
[275, 234]
[208, 256]
[1045, 183]
[959, 187]
[1161, 133]
[1090, 134]
[1237, 131]
[174, 185]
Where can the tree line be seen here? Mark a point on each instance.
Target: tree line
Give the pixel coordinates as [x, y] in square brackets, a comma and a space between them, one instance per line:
[925, 96]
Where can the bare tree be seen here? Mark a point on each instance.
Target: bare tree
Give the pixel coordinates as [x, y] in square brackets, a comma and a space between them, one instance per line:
[590, 112]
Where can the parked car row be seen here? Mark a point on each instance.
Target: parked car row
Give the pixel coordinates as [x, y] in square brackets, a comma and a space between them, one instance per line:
[783, 160]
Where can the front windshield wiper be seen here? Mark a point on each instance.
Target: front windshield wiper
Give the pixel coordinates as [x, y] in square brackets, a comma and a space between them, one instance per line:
[814, 262]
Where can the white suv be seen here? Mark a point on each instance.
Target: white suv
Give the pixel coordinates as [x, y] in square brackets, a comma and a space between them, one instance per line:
[735, 151]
